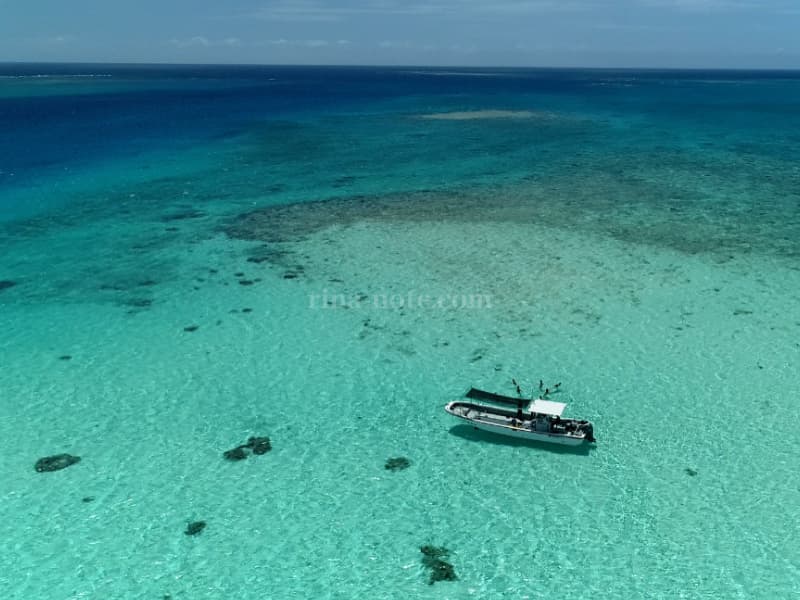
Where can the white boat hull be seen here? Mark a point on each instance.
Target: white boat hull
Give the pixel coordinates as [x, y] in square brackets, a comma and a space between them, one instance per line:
[502, 424]
[527, 434]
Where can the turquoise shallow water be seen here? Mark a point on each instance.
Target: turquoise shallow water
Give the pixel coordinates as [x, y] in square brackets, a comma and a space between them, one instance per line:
[636, 244]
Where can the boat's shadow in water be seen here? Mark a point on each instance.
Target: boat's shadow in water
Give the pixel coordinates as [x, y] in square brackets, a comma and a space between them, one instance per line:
[473, 434]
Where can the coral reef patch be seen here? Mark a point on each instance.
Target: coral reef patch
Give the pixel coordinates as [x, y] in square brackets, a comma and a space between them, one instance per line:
[56, 462]
[433, 558]
[397, 464]
[195, 527]
[256, 445]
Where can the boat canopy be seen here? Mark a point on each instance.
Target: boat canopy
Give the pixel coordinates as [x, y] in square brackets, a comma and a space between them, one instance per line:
[546, 407]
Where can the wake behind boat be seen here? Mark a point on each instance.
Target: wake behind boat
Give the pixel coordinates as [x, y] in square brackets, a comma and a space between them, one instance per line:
[540, 420]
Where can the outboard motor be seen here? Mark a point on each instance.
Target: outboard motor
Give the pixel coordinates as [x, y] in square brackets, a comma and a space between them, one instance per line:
[587, 429]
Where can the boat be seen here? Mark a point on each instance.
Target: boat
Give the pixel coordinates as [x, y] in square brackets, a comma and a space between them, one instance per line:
[539, 421]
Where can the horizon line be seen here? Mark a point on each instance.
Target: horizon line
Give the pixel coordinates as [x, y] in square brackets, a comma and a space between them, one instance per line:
[398, 66]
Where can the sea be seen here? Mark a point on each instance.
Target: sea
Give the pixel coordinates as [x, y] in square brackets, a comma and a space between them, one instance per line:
[192, 257]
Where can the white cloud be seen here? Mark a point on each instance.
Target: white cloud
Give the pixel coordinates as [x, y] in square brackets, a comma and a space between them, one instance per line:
[407, 45]
[302, 43]
[199, 41]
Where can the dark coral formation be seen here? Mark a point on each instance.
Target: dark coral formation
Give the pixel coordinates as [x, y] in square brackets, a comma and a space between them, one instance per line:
[139, 302]
[195, 527]
[267, 254]
[397, 464]
[56, 462]
[433, 559]
[237, 453]
[259, 445]
[183, 215]
[735, 229]
[256, 445]
[125, 284]
[292, 222]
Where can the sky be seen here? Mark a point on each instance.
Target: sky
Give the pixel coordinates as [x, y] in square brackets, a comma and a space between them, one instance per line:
[557, 33]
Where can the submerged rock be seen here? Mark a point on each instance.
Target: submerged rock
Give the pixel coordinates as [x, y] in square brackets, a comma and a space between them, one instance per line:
[237, 453]
[139, 302]
[183, 215]
[442, 570]
[258, 445]
[433, 559]
[397, 464]
[268, 254]
[195, 527]
[434, 551]
[56, 462]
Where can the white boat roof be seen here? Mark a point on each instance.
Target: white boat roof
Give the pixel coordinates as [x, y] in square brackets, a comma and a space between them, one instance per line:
[546, 407]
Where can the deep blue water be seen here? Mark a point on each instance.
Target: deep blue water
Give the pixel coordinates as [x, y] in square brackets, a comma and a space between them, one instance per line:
[53, 121]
